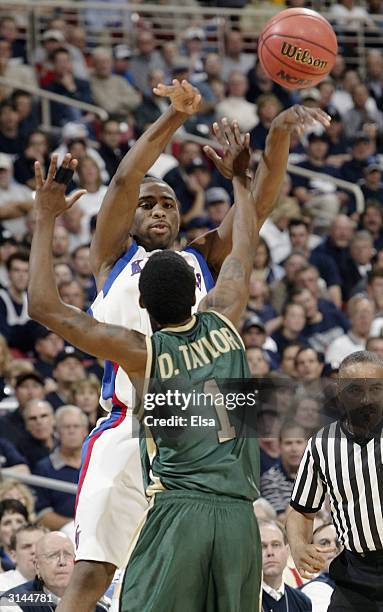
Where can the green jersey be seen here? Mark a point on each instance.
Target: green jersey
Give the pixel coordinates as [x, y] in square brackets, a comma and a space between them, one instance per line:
[197, 436]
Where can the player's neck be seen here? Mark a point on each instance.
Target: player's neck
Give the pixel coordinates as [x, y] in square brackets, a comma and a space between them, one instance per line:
[174, 325]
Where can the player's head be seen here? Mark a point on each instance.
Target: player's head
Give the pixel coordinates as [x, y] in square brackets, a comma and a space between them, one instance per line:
[157, 219]
[167, 288]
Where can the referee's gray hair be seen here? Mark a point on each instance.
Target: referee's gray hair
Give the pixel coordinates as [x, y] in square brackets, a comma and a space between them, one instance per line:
[361, 357]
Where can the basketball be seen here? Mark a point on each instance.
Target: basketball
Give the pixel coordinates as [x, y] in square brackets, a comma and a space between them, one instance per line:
[297, 48]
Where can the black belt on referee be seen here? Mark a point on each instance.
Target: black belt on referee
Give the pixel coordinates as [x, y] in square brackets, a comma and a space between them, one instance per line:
[369, 554]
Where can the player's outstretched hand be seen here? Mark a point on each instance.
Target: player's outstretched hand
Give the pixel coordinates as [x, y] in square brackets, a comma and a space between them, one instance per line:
[235, 146]
[298, 118]
[310, 559]
[50, 193]
[184, 97]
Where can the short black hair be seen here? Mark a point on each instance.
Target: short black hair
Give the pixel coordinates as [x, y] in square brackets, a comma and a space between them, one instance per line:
[57, 52]
[29, 527]
[13, 506]
[296, 222]
[361, 357]
[18, 256]
[167, 287]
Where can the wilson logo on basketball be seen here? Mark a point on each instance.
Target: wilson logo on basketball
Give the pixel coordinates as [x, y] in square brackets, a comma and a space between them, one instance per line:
[302, 56]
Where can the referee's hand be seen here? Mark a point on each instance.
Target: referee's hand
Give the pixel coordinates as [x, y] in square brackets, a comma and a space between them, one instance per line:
[310, 559]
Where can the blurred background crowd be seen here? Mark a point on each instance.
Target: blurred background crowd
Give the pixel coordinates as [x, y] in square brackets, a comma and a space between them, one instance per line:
[317, 285]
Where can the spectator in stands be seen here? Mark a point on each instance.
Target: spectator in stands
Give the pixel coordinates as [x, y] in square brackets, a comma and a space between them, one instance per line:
[280, 291]
[268, 107]
[63, 273]
[372, 221]
[72, 293]
[11, 140]
[371, 185]
[9, 32]
[308, 414]
[337, 142]
[264, 510]
[218, 204]
[15, 199]
[361, 253]
[28, 386]
[374, 68]
[56, 508]
[60, 245]
[300, 238]
[323, 323]
[375, 345]
[11, 459]
[36, 149]
[320, 588]
[308, 278]
[259, 302]
[66, 84]
[23, 550]
[260, 84]
[8, 246]
[264, 268]
[194, 40]
[77, 225]
[47, 346]
[336, 244]
[14, 71]
[5, 362]
[110, 91]
[268, 428]
[356, 118]
[15, 324]
[68, 369]
[274, 231]
[235, 59]
[152, 105]
[89, 176]
[39, 424]
[27, 111]
[177, 177]
[278, 481]
[12, 516]
[54, 561]
[276, 594]
[293, 322]
[13, 489]
[121, 56]
[254, 335]
[259, 362]
[363, 148]
[235, 105]
[360, 311]
[145, 60]
[111, 149]
[51, 40]
[76, 45]
[288, 355]
[83, 273]
[308, 364]
[375, 289]
[85, 395]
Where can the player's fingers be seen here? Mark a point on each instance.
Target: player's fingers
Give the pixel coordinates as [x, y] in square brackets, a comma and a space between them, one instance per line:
[211, 154]
[74, 197]
[39, 176]
[325, 549]
[197, 101]
[318, 115]
[52, 168]
[306, 574]
[228, 133]
[163, 90]
[187, 87]
[246, 140]
[219, 134]
[73, 164]
[236, 132]
[66, 161]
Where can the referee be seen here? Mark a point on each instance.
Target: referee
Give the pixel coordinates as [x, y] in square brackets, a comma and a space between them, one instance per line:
[345, 459]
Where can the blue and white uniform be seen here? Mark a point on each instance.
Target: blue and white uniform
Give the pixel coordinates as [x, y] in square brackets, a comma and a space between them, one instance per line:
[111, 498]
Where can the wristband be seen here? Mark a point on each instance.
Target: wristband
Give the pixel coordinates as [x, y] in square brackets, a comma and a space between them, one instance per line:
[64, 176]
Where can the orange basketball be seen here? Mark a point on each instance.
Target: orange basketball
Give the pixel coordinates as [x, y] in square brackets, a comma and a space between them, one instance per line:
[297, 48]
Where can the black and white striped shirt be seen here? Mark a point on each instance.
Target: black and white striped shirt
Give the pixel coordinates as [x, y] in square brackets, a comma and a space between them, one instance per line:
[352, 474]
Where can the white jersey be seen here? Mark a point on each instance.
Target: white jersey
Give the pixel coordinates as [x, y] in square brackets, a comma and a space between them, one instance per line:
[118, 304]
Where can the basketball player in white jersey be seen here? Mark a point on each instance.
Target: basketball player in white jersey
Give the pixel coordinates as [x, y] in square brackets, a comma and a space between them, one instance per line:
[137, 217]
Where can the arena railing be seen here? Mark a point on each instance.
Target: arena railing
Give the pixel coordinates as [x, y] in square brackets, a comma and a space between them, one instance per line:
[117, 22]
[41, 481]
[48, 96]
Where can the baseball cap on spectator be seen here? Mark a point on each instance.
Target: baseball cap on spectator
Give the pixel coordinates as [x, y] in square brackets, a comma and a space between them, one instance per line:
[253, 321]
[21, 378]
[122, 52]
[310, 94]
[5, 162]
[69, 351]
[360, 137]
[214, 195]
[197, 163]
[195, 33]
[53, 35]
[179, 67]
[372, 167]
[74, 130]
[7, 237]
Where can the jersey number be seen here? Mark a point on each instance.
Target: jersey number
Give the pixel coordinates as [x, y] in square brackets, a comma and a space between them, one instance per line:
[226, 431]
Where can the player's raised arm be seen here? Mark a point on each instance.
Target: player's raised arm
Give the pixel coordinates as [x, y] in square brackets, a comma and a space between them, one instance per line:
[267, 182]
[128, 348]
[116, 214]
[231, 292]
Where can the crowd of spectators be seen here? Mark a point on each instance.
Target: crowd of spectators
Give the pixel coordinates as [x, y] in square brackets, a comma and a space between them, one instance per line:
[316, 291]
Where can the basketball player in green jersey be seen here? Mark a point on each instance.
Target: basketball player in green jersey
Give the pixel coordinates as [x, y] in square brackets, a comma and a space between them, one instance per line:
[199, 548]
